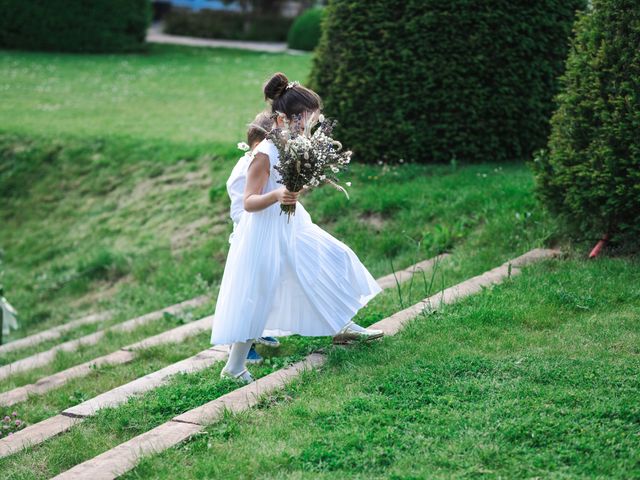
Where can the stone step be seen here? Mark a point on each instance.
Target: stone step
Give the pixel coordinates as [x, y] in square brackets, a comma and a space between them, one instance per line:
[46, 357]
[120, 394]
[247, 396]
[53, 333]
[404, 275]
[41, 431]
[395, 322]
[174, 335]
[56, 380]
[124, 355]
[124, 457]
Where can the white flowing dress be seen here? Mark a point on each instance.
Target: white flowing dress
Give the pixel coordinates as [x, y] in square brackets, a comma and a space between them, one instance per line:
[287, 278]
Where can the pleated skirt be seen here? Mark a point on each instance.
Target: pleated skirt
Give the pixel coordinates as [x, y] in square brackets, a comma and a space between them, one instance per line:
[283, 278]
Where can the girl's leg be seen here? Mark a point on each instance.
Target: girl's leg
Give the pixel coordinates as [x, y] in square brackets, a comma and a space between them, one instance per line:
[237, 358]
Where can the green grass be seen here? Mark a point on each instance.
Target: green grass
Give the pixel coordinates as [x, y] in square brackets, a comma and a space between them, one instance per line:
[180, 94]
[153, 239]
[533, 379]
[498, 384]
[118, 173]
[115, 204]
[139, 214]
[112, 169]
[60, 453]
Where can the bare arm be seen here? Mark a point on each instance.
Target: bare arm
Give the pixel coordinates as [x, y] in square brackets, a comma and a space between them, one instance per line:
[257, 176]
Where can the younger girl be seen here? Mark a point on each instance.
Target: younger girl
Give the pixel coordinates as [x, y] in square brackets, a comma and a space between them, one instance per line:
[257, 131]
[285, 277]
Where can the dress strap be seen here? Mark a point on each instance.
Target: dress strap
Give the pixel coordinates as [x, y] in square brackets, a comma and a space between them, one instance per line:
[267, 147]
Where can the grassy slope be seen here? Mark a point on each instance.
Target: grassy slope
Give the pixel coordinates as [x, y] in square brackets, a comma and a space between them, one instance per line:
[179, 94]
[150, 217]
[516, 382]
[472, 211]
[165, 239]
[139, 218]
[535, 378]
[126, 194]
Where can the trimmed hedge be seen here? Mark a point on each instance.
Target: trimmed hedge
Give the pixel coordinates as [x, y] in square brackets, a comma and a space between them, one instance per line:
[590, 173]
[227, 25]
[75, 26]
[306, 30]
[433, 81]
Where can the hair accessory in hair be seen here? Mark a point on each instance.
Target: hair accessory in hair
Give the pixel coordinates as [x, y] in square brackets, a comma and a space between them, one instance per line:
[292, 84]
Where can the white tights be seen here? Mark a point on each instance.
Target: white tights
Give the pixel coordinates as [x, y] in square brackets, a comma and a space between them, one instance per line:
[237, 357]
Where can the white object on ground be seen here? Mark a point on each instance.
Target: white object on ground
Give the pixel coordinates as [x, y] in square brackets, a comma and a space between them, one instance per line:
[9, 314]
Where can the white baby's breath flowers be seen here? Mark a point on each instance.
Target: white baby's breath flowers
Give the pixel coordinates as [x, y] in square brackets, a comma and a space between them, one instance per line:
[243, 146]
[309, 157]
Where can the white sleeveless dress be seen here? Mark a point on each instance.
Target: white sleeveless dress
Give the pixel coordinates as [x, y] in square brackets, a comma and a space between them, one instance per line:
[235, 189]
[287, 278]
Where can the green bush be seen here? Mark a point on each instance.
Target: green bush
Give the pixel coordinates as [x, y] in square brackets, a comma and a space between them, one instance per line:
[61, 25]
[227, 25]
[433, 81]
[590, 173]
[306, 30]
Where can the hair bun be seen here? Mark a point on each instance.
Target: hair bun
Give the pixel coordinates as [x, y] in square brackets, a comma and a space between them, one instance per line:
[276, 86]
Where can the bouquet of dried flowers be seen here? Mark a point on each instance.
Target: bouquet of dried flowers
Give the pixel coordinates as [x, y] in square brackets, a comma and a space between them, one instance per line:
[309, 157]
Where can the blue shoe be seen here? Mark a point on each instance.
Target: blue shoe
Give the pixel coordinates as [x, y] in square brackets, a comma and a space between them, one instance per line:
[253, 356]
[269, 341]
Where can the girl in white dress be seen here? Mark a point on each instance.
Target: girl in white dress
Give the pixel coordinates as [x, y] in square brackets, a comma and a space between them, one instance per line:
[257, 131]
[285, 277]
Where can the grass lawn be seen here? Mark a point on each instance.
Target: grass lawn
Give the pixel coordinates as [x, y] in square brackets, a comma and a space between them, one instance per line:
[179, 94]
[129, 212]
[536, 378]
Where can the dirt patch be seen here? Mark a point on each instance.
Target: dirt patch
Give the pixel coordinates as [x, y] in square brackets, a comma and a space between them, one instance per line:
[174, 178]
[191, 233]
[99, 292]
[374, 220]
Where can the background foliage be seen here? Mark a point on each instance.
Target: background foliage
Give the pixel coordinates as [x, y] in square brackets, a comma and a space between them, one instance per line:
[59, 25]
[306, 30]
[590, 174]
[406, 84]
